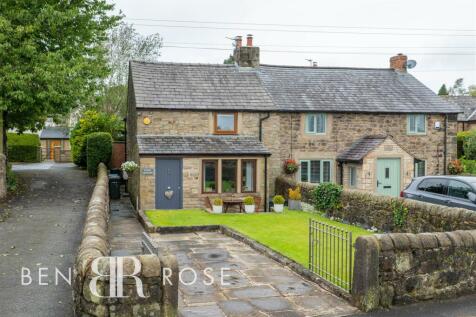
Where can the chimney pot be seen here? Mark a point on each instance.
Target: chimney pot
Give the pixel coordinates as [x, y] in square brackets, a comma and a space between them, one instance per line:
[249, 40]
[238, 41]
[399, 62]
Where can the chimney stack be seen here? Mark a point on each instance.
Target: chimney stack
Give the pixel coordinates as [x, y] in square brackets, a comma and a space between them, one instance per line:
[249, 40]
[238, 41]
[399, 62]
[246, 56]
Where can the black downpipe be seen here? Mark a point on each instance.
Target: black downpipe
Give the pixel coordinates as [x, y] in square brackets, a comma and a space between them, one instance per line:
[125, 139]
[445, 145]
[266, 203]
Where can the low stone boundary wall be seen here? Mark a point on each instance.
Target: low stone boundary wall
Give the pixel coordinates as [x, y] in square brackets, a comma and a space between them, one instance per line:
[401, 268]
[437, 259]
[161, 299]
[374, 210]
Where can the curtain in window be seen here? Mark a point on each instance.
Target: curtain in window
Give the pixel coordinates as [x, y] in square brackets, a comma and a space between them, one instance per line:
[247, 176]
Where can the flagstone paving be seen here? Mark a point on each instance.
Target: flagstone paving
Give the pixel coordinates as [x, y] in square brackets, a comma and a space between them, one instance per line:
[253, 284]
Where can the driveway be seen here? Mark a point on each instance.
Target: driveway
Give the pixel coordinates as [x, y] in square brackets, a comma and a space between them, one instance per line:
[42, 232]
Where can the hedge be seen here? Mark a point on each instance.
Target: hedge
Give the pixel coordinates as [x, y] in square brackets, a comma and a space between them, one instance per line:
[23, 147]
[99, 149]
[373, 210]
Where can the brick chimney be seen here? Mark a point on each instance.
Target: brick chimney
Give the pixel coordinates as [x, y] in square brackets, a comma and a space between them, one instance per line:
[399, 62]
[246, 56]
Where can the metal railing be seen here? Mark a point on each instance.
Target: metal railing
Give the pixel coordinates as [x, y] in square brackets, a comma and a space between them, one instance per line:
[331, 254]
[148, 245]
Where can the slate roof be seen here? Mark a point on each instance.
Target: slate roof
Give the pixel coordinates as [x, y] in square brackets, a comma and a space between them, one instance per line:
[200, 145]
[361, 148]
[54, 133]
[467, 105]
[281, 88]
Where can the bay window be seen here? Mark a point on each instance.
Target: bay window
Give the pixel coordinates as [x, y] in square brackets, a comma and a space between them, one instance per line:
[210, 175]
[228, 176]
[248, 176]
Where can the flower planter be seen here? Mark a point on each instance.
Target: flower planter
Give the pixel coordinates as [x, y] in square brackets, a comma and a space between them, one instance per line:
[249, 209]
[278, 207]
[217, 209]
[294, 204]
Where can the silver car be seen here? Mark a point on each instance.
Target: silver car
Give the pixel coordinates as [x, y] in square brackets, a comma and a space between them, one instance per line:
[452, 191]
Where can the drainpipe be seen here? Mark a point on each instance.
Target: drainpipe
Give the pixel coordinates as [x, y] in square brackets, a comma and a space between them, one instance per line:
[266, 203]
[445, 144]
[125, 139]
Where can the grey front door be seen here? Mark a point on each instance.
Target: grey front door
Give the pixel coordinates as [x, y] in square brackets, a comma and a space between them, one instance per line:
[168, 183]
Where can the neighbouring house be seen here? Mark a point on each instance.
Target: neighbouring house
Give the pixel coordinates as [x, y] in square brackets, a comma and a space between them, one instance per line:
[204, 130]
[55, 144]
[467, 117]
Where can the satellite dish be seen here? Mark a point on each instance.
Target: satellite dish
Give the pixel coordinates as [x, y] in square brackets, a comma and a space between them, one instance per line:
[411, 64]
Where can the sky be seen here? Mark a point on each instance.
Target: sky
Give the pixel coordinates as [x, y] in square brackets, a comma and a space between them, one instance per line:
[439, 35]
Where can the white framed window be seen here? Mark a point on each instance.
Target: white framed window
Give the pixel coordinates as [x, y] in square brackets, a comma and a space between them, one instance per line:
[420, 168]
[316, 171]
[416, 124]
[315, 123]
[352, 176]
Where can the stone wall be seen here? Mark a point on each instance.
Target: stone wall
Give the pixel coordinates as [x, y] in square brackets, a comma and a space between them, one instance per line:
[401, 268]
[160, 298]
[372, 210]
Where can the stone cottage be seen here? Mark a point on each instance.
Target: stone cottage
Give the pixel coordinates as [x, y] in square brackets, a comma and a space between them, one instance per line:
[467, 117]
[205, 130]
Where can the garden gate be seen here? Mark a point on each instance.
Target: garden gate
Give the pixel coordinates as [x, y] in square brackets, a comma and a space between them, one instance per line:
[331, 254]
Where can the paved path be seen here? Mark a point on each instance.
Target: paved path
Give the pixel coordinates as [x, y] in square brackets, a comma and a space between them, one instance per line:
[125, 231]
[258, 286]
[43, 231]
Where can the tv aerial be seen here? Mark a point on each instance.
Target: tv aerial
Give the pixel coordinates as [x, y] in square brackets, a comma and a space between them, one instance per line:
[411, 64]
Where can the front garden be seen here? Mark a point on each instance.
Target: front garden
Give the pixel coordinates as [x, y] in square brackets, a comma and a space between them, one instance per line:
[287, 232]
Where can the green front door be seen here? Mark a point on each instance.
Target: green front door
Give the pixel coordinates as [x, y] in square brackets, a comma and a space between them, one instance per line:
[388, 176]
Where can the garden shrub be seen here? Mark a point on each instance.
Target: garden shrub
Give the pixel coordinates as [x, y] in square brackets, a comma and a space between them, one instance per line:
[469, 166]
[249, 200]
[12, 182]
[455, 167]
[400, 213]
[23, 147]
[278, 200]
[295, 194]
[460, 137]
[469, 145]
[93, 121]
[327, 197]
[99, 149]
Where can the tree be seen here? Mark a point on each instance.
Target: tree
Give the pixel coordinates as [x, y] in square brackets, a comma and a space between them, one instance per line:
[52, 57]
[93, 121]
[124, 43]
[443, 90]
[458, 88]
[472, 90]
[229, 60]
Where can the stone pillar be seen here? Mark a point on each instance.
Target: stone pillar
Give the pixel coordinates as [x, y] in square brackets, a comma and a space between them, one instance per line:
[365, 285]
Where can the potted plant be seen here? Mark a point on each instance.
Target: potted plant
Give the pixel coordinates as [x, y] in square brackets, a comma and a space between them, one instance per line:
[249, 203]
[127, 168]
[290, 166]
[278, 203]
[294, 201]
[217, 206]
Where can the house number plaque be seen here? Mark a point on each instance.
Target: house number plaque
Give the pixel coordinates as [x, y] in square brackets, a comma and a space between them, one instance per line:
[147, 171]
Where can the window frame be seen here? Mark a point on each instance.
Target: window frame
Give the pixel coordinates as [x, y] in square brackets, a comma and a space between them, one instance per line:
[415, 169]
[225, 132]
[253, 161]
[321, 167]
[352, 179]
[409, 132]
[216, 176]
[236, 177]
[314, 132]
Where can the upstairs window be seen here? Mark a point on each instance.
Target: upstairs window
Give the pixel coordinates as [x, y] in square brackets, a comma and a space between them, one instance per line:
[226, 123]
[315, 123]
[416, 124]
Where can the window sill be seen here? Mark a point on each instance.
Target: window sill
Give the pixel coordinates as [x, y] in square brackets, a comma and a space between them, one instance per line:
[416, 133]
[225, 133]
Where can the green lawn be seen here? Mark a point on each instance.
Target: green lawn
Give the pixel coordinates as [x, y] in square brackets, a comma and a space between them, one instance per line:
[287, 233]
